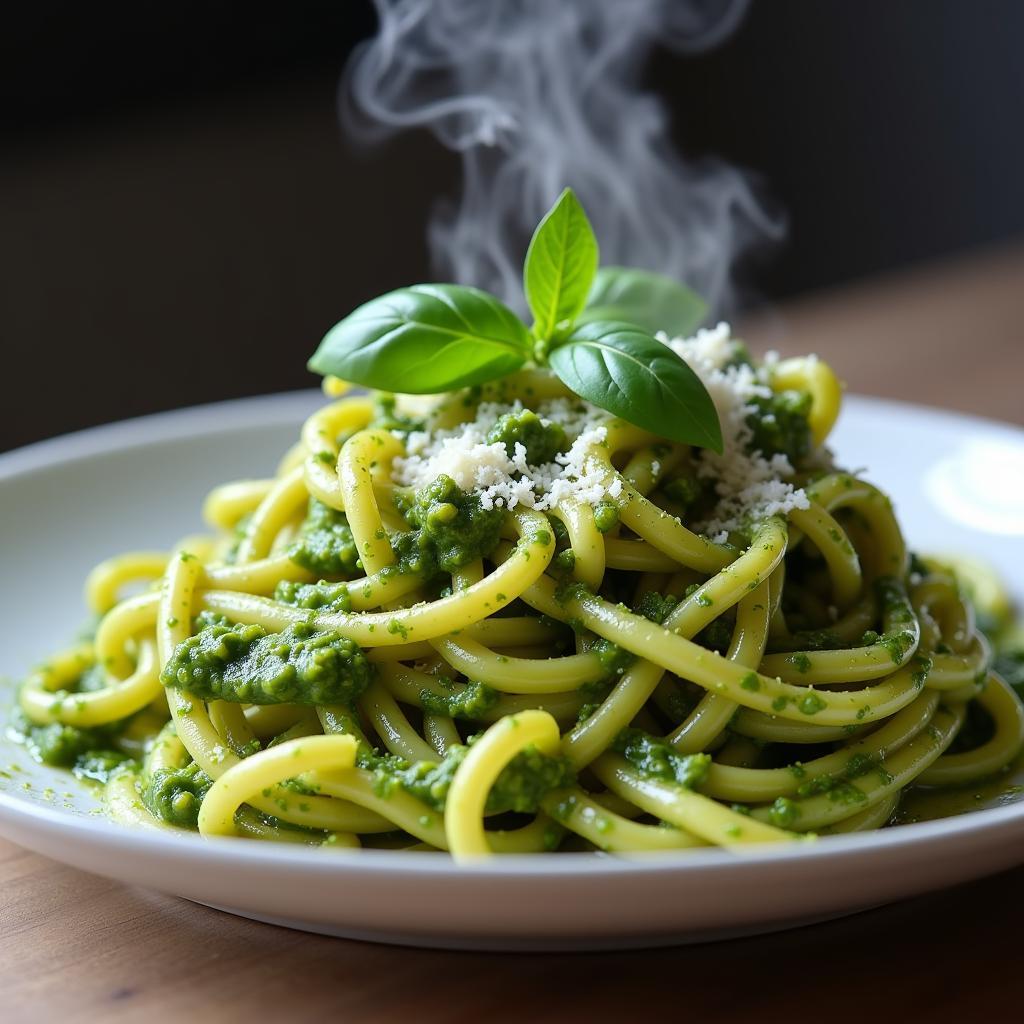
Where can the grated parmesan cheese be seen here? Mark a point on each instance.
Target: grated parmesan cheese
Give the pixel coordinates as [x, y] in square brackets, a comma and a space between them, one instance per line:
[505, 482]
[749, 485]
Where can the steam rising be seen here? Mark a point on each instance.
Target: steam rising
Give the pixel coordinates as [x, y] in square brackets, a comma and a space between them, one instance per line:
[540, 94]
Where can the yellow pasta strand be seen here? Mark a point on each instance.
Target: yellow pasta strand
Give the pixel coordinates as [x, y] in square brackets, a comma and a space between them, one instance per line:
[287, 761]
[463, 820]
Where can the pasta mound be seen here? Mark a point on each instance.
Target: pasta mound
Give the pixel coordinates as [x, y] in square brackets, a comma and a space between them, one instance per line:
[503, 621]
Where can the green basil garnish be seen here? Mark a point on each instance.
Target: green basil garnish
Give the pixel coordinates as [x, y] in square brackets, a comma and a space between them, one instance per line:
[560, 265]
[651, 301]
[425, 339]
[619, 367]
[593, 328]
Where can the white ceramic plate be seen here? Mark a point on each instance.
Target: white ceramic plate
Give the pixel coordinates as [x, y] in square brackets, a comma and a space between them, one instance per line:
[958, 484]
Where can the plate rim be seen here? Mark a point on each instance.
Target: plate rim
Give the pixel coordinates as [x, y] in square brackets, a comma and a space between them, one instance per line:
[188, 846]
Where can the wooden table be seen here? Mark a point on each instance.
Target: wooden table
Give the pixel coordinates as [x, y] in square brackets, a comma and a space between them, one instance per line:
[86, 948]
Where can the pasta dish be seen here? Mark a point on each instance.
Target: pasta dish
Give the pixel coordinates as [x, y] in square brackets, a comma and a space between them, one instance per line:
[517, 601]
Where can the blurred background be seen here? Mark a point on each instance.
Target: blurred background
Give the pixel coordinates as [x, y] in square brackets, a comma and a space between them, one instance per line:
[181, 218]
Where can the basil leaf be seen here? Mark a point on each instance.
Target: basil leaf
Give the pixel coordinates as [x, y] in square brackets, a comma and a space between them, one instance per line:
[622, 369]
[652, 301]
[425, 339]
[560, 266]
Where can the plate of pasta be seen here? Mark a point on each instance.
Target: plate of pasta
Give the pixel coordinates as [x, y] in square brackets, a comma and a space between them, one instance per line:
[576, 634]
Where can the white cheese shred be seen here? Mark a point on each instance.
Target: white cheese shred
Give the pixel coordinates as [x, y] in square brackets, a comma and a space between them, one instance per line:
[748, 485]
[501, 481]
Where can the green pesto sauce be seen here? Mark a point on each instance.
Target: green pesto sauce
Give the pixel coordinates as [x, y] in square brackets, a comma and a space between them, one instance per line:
[174, 794]
[897, 644]
[818, 640]
[595, 691]
[810, 704]
[922, 665]
[563, 563]
[100, 765]
[892, 597]
[839, 785]
[520, 787]
[656, 759]
[387, 418]
[542, 441]
[656, 607]
[450, 530]
[325, 545]
[779, 425]
[686, 492]
[93, 678]
[800, 662]
[322, 596]
[615, 660]
[606, 516]
[246, 664]
[471, 701]
[784, 812]
[89, 753]
[559, 530]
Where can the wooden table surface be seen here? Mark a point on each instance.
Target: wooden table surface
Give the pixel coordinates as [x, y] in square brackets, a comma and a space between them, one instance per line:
[87, 948]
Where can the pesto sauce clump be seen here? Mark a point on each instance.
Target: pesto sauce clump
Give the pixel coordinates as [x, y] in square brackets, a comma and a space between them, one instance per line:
[174, 794]
[469, 701]
[780, 426]
[387, 417]
[246, 664]
[613, 658]
[325, 544]
[100, 764]
[89, 753]
[450, 529]
[606, 516]
[656, 607]
[656, 759]
[322, 596]
[520, 787]
[685, 492]
[542, 441]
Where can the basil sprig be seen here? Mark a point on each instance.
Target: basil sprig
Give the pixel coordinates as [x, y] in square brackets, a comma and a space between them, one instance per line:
[560, 266]
[593, 328]
[649, 300]
[621, 368]
[425, 339]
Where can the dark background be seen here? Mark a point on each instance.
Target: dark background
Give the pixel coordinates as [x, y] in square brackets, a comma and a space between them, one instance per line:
[180, 218]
